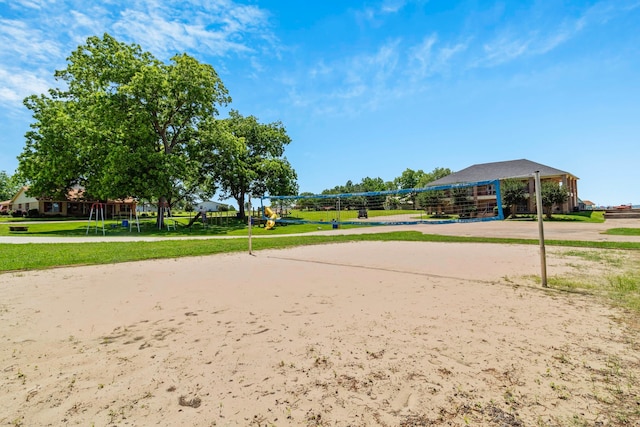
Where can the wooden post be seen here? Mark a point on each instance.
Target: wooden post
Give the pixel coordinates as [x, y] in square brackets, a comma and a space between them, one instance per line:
[543, 255]
[250, 218]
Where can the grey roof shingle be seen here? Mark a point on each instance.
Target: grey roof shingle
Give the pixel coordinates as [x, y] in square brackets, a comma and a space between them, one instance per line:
[499, 170]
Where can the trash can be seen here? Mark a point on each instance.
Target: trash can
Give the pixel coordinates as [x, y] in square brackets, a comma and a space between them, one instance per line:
[125, 223]
[334, 225]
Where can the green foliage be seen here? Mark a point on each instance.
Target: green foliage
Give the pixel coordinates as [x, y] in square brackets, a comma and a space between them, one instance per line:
[552, 194]
[624, 231]
[9, 185]
[432, 200]
[127, 125]
[514, 192]
[248, 157]
[460, 195]
[409, 179]
[434, 175]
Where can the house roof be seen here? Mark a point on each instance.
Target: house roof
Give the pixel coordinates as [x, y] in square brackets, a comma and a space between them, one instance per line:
[499, 170]
[20, 191]
[76, 194]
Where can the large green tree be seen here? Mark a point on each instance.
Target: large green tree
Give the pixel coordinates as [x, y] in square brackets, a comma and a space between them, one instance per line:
[248, 159]
[409, 179]
[125, 124]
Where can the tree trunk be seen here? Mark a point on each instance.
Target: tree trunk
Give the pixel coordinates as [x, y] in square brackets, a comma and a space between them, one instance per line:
[549, 211]
[194, 219]
[160, 219]
[241, 211]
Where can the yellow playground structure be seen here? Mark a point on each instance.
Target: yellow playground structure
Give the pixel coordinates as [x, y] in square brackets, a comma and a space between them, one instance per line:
[271, 222]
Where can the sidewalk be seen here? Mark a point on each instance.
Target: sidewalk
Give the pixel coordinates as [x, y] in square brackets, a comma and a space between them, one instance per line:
[508, 229]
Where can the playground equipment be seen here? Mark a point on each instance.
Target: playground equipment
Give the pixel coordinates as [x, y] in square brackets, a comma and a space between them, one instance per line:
[167, 218]
[98, 210]
[132, 218]
[271, 222]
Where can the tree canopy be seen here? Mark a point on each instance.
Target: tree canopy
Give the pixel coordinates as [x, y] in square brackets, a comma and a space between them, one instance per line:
[248, 158]
[552, 194]
[514, 192]
[125, 125]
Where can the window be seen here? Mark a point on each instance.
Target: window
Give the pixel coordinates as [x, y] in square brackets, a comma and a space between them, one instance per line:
[50, 207]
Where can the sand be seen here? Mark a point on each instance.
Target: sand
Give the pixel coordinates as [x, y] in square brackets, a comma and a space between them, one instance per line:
[354, 334]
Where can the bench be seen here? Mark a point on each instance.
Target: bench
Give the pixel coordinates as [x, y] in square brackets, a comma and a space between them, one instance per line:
[18, 228]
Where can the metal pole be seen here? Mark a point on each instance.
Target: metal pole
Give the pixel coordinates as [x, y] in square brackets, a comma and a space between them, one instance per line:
[250, 218]
[543, 255]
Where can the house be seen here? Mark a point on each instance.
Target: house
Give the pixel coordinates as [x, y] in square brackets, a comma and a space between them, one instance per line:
[586, 205]
[74, 205]
[21, 202]
[522, 169]
[211, 206]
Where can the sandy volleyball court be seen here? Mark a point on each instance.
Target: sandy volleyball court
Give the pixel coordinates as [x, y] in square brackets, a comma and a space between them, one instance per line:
[358, 334]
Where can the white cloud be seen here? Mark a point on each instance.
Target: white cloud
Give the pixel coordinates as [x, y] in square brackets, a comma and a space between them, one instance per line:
[15, 85]
[36, 36]
[221, 28]
[30, 4]
[392, 6]
[373, 15]
[427, 59]
[22, 42]
[503, 50]
[537, 37]
[420, 56]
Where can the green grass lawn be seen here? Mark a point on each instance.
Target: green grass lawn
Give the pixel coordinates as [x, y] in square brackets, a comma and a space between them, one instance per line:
[624, 231]
[327, 216]
[47, 255]
[221, 227]
[584, 216]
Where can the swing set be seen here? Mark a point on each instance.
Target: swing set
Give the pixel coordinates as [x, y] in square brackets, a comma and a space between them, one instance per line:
[97, 215]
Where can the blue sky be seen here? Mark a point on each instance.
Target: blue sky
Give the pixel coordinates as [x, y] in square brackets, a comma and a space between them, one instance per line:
[371, 88]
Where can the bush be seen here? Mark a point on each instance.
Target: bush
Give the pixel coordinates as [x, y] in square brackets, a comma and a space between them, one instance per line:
[33, 213]
[16, 214]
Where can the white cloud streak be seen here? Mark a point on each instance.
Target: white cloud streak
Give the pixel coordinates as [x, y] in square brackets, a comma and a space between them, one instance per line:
[15, 85]
[519, 40]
